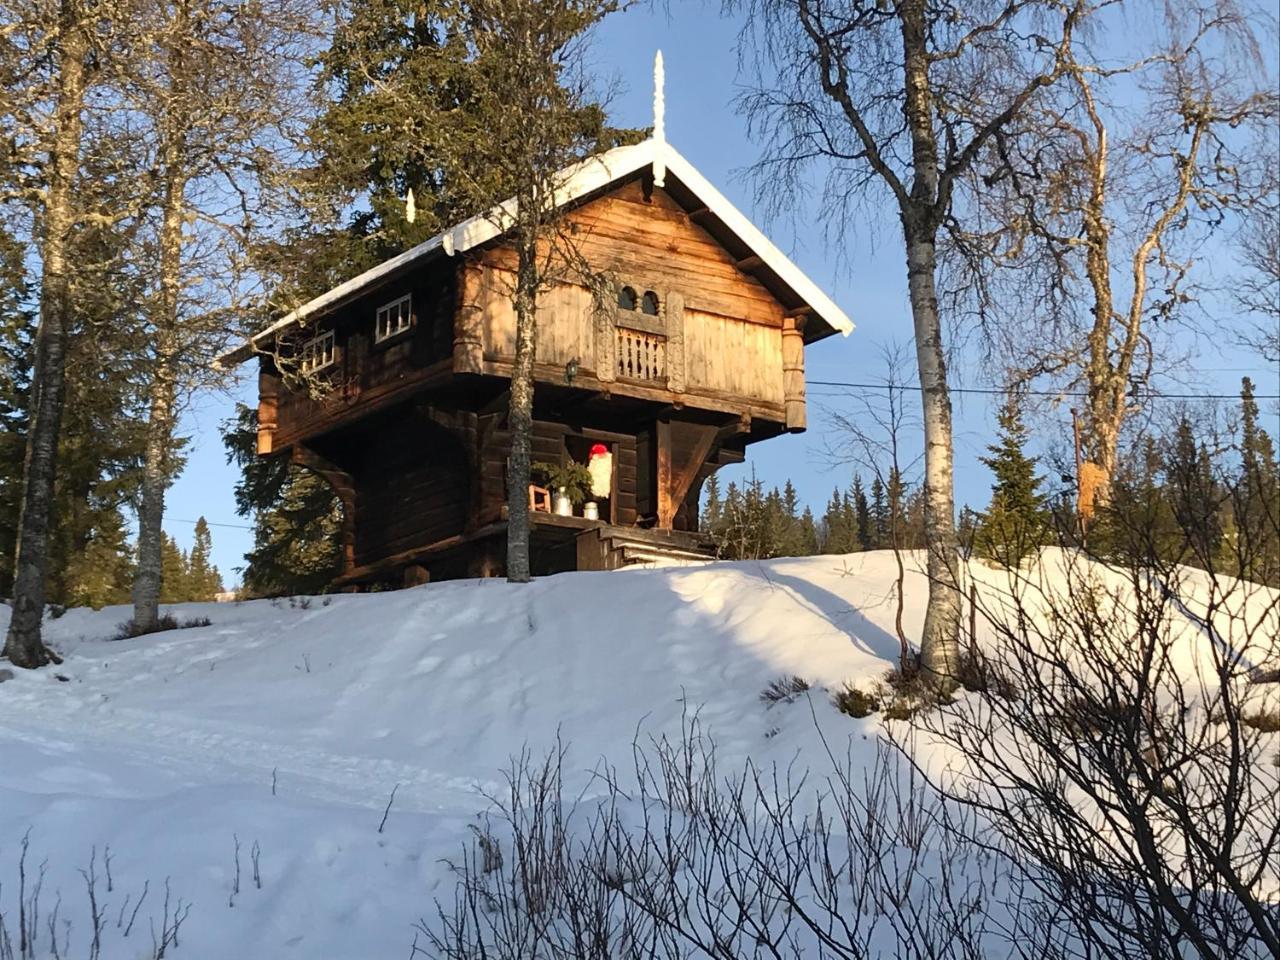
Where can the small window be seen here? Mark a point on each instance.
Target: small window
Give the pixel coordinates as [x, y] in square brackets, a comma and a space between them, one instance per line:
[649, 304]
[626, 299]
[394, 317]
[317, 353]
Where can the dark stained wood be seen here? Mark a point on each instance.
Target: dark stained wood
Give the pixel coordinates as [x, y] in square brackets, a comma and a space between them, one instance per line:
[682, 449]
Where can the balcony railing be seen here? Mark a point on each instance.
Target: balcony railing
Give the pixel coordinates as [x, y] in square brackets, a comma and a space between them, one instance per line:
[641, 356]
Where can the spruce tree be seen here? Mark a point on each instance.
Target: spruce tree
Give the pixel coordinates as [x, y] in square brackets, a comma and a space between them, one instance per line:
[103, 572]
[862, 514]
[1016, 522]
[175, 572]
[808, 534]
[1255, 528]
[205, 583]
[712, 508]
[296, 516]
[1194, 496]
[880, 520]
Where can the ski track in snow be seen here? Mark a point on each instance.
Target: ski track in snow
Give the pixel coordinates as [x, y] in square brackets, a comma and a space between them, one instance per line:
[202, 755]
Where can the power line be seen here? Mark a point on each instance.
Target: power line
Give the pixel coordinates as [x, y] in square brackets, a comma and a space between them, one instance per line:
[992, 392]
[230, 526]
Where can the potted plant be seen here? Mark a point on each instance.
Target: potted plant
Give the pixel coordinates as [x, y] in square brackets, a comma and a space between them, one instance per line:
[571, 483]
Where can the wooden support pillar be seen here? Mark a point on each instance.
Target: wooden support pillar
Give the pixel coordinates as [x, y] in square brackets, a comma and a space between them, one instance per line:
[793, 374]
[344, 487]
[468, 332]
[682, 449]
[675, 342]
[268, 408]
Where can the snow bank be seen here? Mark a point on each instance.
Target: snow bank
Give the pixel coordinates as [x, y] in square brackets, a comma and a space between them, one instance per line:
[289, 723]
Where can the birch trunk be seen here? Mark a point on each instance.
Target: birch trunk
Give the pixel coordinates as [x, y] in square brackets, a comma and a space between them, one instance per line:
[940, 642]
[520, 418]
[157, 466]
[23, 644]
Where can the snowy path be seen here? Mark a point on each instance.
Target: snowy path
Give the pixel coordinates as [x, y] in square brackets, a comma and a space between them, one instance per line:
[197, 753]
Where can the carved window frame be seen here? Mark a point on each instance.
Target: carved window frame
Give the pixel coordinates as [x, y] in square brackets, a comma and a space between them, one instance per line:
[634, 318]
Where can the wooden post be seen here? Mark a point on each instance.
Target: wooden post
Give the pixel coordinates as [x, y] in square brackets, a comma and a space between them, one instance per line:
[793, 374]
[675, 341]
[468, 328]
[268, 409]
[682, 449]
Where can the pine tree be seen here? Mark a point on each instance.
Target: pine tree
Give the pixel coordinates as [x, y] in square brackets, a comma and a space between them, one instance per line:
[1016, 522]
[808, 534]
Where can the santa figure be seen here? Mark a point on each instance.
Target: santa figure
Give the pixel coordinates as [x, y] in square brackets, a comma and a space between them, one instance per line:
[600, 466]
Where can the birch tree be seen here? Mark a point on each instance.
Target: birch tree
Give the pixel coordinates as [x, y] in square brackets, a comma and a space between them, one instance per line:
[53, 55]
[215, 84]
[1108, 192]
[530, 114]
[895, 99]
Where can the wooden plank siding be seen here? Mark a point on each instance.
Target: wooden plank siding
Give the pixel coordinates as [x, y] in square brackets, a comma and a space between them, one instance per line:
[719, 336]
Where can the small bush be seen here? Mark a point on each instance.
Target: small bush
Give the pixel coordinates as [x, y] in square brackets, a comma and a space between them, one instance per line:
[908, 692]
[784, 690]
[854, 702]
[167, 621]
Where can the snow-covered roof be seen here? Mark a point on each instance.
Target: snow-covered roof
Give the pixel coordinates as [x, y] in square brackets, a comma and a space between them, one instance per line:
[584, 178]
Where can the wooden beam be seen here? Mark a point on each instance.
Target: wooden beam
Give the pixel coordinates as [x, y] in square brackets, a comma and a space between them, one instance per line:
[682, 450]
[344, 488]
[747, 264]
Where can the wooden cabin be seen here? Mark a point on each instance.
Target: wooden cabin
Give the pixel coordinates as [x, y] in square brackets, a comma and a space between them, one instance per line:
[682, 343]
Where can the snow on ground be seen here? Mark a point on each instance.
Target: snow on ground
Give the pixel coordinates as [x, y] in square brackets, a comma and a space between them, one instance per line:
[287, 724]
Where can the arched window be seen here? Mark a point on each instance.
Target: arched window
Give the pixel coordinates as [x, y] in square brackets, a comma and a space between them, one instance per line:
[626, 299]
[649, 304]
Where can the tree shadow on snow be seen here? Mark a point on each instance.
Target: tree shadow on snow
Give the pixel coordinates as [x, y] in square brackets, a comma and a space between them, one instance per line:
[835, 609]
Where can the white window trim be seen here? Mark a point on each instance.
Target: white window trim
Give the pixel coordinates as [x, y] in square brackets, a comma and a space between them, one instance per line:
[385, 310]
[317, 353]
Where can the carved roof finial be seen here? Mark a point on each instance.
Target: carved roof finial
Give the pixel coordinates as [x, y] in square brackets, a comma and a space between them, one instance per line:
[659, 122]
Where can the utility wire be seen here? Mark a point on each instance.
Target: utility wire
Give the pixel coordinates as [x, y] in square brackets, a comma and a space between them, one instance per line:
[231, 526]
[992, 392]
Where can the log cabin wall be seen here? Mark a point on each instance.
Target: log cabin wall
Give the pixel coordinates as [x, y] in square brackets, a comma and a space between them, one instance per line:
[367, 373]
[412, 484]
[716, 342]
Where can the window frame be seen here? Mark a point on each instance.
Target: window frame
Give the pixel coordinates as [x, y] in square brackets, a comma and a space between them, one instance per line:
[634, 317]
[385, 310]
[314, 347]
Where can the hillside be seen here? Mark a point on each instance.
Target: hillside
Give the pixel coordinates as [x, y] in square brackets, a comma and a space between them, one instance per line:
[288, 724]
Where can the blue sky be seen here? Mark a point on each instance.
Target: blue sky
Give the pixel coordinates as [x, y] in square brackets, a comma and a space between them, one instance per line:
[868, 282]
